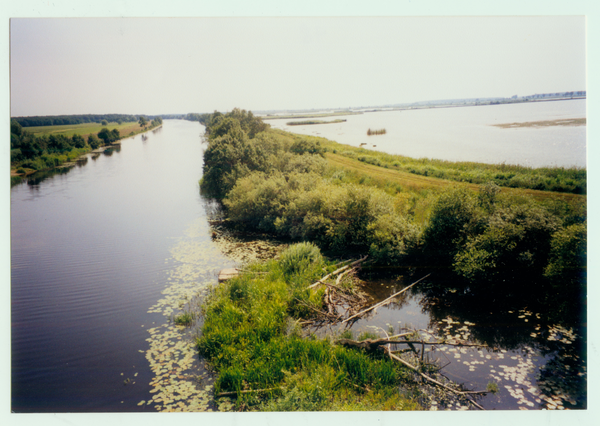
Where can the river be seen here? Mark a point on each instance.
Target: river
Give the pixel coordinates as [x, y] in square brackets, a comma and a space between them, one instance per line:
[105, 254]
[465, 133]
[92, 251]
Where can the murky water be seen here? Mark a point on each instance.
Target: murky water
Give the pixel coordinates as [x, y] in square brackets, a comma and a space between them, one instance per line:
[465, 134]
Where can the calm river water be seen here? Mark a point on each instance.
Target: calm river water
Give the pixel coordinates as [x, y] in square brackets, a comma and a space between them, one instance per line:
[465, 133]
[104, 255]
[92, 251]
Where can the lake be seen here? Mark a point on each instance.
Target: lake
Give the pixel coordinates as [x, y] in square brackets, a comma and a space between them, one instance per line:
[104, 256]
[465, 133]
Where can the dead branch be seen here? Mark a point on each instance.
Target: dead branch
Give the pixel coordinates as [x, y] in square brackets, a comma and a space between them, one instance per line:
[337, 271]
[371, 344]
[339, 278]
[435, 382]
[322, 313]
[386, 301]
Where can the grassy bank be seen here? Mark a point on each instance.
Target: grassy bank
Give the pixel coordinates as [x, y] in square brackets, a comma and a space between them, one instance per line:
[571, 180]
[265, 361]
[484, 239]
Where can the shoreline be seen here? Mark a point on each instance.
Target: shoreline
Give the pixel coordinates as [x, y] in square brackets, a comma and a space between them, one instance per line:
[68, 164]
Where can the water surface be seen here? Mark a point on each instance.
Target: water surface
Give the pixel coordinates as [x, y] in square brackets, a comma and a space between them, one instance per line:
[465, 133]
[91, 252]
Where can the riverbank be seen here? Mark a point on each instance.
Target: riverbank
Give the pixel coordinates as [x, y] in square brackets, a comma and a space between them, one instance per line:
[477, 241]
[72, 157]
[304, 372]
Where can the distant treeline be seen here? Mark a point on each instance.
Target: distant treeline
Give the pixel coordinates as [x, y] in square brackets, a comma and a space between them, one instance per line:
[61, 120]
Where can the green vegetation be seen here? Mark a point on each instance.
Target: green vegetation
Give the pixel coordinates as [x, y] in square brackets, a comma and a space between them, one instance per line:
[483, 239]
[185, 318]
[252, 338]
[559, 179]
[63, 120]
[83, 129]
[282, 184]
[47, 147]
[376, 132]
[307, 122]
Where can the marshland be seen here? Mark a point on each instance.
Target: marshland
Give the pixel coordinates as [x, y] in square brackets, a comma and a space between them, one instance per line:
[495, 320]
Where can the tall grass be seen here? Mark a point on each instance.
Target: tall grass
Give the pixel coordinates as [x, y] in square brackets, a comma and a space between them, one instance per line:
[249, 338]
[558, 179]
[376, 132]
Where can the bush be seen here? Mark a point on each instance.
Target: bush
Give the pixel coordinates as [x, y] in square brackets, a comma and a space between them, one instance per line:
[298, 257]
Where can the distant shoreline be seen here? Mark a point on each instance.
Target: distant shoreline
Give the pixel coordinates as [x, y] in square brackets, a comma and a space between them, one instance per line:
[415, 107]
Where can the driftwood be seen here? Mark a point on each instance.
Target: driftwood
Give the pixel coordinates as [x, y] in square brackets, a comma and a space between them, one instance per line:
[337, 271]
[386, 301]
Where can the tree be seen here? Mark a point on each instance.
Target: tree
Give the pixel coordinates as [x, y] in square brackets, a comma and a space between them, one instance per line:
[93, 141]
[143, 122]
[78, 141]
[105, 135]
[16, 128]
[104, 123]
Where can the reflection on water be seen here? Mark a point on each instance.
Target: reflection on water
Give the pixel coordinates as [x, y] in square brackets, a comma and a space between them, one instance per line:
[88, 250]
[536, 357]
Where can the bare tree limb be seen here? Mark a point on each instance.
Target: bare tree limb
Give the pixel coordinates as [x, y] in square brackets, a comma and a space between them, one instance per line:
[337, 271]
[386, 301]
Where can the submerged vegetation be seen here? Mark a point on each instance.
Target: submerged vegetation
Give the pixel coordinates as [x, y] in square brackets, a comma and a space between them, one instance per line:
[490, 242]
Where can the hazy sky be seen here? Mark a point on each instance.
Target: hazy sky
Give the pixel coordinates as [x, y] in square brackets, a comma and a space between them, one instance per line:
[180, 65]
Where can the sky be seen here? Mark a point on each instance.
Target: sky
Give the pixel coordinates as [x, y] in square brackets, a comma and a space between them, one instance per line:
[180, 65]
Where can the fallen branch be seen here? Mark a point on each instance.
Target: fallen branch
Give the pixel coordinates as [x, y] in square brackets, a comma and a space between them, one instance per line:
[325, 314]
[371, 344]
[435, 382]
[386, 301]
[337, 271]
[339, 278]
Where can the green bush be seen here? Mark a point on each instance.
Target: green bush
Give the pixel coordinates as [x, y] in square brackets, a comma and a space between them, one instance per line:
[298, 257]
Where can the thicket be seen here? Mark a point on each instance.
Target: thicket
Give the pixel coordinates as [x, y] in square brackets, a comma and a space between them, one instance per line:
[280, 183]
[251, 337]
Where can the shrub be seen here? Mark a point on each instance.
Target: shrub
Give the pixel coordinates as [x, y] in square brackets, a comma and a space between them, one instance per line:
[298, 257]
